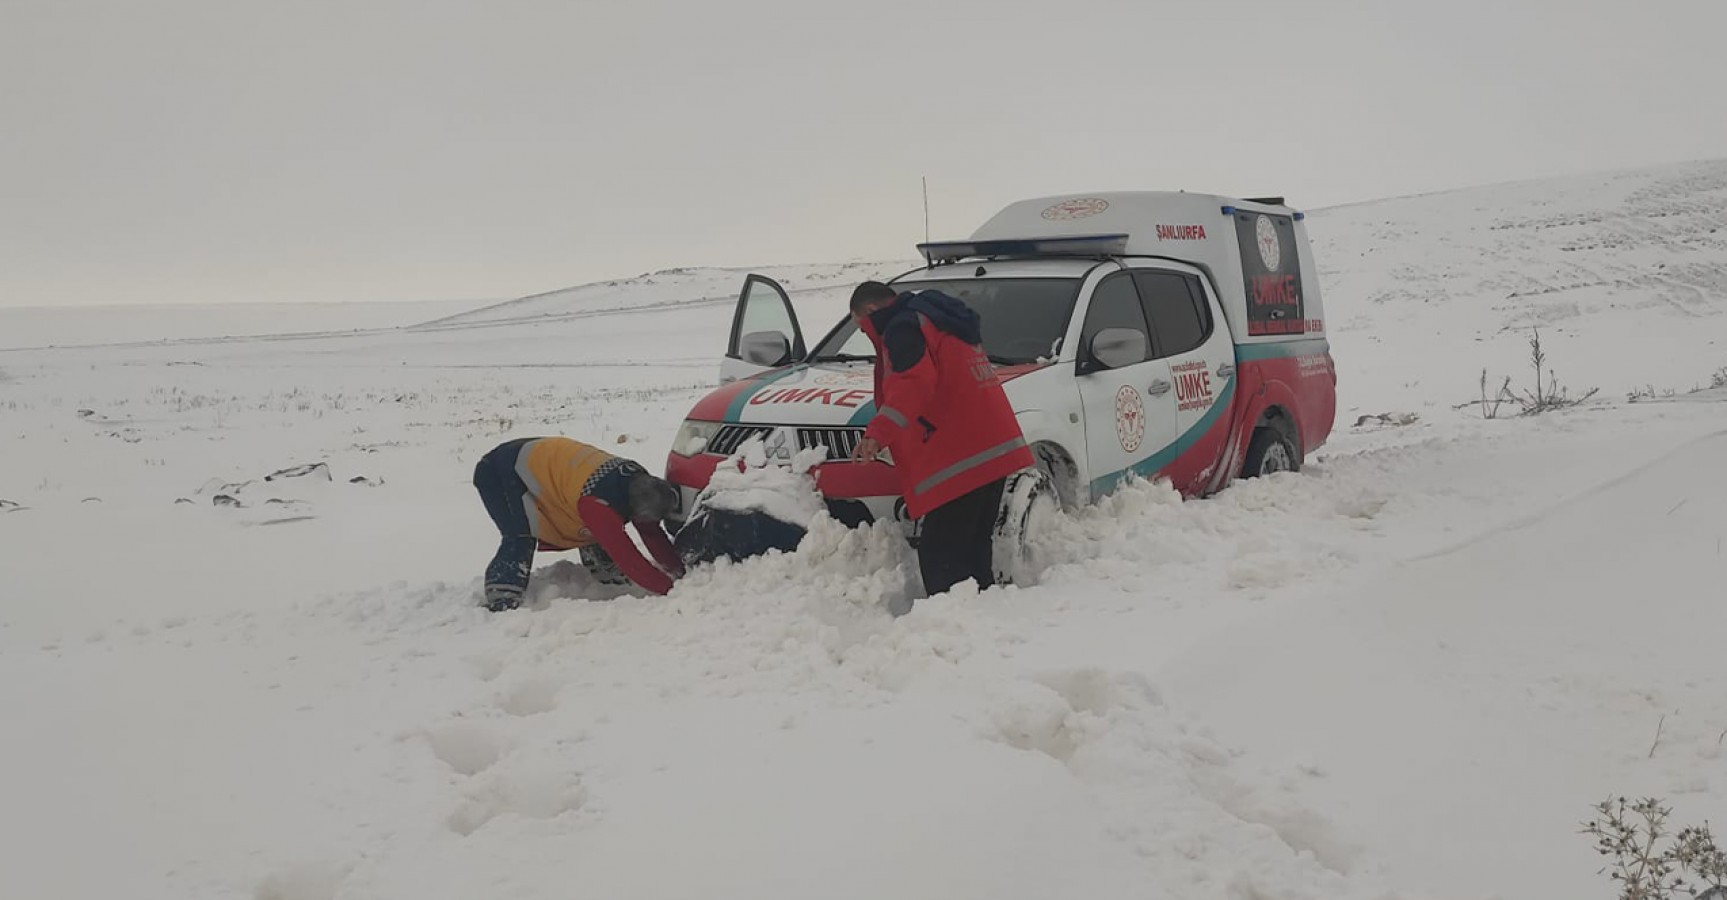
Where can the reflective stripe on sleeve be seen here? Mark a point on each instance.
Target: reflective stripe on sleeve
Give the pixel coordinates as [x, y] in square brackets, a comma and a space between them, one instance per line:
[969, 463]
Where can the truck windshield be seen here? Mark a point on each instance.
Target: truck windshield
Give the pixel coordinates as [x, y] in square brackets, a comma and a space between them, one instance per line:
[1024, 319]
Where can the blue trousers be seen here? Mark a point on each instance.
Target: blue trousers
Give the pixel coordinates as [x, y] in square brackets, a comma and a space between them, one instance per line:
[505, 496]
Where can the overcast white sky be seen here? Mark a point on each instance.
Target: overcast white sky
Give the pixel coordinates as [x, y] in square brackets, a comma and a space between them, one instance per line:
[228, 150]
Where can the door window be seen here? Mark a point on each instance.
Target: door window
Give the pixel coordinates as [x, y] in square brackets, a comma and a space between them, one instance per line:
[1115, 304]
[1175, 305]
[764, 309]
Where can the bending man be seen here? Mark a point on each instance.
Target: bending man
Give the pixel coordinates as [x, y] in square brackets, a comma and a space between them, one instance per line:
[554, 493]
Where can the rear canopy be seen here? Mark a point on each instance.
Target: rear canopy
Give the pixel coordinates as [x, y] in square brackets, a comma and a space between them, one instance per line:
[1255, 253]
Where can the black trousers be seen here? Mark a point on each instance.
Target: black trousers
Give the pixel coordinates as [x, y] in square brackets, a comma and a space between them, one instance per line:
[956, 540]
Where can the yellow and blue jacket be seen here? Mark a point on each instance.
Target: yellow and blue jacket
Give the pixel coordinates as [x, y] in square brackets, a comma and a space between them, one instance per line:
[559, 472]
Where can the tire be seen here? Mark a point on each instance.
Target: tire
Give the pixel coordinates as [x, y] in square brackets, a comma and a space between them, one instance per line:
[1271, 450]
[1028, 501]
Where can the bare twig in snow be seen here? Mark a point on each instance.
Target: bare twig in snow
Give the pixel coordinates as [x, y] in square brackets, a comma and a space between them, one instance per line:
[1490, 407]
[1658, 726]
[1537, 356]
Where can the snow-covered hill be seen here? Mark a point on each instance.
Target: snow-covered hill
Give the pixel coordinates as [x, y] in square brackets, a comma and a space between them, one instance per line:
[1406, 672]
[1625, 274]
[23, 327]
[683, 288]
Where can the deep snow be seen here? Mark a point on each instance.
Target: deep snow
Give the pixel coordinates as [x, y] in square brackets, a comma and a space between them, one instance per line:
[1407, 671]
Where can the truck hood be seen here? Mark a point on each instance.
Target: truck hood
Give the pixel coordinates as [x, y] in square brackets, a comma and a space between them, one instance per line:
[824, 395]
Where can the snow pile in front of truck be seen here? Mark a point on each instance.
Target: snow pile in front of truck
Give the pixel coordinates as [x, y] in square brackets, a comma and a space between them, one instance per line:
[746, 483]
[751, 508]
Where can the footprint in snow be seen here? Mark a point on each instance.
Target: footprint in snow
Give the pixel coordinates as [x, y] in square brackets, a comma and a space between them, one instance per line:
[532, 794]
[530, 697]
[465, 747]
[316, 880]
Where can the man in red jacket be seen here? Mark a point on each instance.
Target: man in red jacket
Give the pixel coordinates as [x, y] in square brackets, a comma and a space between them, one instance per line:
[941, 410]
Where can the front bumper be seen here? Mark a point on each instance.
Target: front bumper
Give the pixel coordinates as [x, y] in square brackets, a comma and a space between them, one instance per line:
[856, 493]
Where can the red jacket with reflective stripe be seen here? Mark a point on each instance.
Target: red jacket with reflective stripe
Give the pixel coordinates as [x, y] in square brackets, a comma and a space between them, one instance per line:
[945, 417]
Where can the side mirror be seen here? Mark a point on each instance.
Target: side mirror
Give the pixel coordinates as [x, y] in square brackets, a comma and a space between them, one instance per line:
[765, 348]
[1113, 348]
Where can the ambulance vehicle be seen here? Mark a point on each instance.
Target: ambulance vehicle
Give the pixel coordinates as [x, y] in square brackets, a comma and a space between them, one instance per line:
[1163, 335]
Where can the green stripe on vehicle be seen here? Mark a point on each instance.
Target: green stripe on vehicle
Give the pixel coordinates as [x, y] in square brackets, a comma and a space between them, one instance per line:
[865, 413]
[1148, 467]
[736, 408]
[1281, 349]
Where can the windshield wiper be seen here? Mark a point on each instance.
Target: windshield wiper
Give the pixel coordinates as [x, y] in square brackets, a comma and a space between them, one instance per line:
[996, 358]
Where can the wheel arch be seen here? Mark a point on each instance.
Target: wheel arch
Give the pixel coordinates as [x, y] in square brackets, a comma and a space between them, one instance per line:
[1063, 469]
[1277, 408]
[1275, 415]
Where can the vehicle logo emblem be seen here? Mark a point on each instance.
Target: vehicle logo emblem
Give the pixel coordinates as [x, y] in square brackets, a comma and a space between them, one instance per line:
[1129, 418]
[779, 444]
[1270, 247]
[1081, 208]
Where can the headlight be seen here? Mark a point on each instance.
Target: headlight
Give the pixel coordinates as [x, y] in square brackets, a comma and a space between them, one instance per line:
[694, 436]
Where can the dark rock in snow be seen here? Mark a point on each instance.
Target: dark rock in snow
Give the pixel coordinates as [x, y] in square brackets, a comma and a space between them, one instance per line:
[313, 470]
[218, 486]
[224, 500]
[368, 482]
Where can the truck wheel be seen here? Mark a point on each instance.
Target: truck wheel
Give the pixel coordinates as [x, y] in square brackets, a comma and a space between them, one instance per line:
[1271, 450]
[1028, 505]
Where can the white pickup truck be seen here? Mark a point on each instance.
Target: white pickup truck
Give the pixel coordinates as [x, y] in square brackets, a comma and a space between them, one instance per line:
[1154, 334]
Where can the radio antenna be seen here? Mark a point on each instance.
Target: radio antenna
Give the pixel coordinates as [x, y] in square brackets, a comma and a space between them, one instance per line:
[926, 209]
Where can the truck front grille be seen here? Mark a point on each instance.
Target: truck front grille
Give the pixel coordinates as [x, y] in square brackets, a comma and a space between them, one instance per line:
[840, 442]
[731, 437]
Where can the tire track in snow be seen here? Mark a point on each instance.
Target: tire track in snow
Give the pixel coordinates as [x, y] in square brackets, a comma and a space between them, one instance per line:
[1536, 518]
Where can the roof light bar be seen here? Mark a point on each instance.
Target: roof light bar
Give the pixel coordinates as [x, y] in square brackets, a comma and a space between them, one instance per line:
[1066, 245]
[1230, 211]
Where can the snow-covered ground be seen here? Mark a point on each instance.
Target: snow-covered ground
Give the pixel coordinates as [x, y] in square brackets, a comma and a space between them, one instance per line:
[1406, 672]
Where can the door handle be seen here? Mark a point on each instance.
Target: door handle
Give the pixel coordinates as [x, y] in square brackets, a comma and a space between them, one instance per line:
[1226, 370]
[1158, 388]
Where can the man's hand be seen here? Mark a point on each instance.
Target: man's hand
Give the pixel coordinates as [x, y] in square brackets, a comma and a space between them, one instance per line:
[867, 450]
